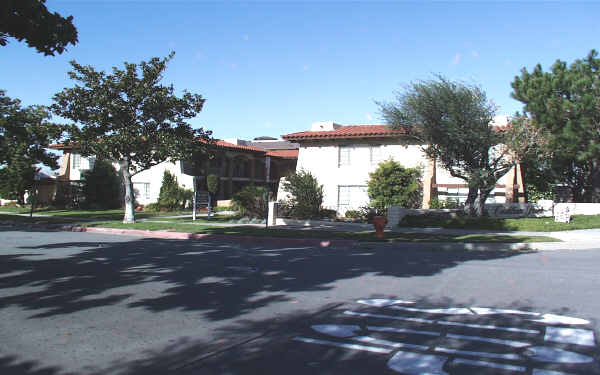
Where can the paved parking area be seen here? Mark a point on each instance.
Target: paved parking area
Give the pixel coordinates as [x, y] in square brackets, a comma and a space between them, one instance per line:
[85, 303]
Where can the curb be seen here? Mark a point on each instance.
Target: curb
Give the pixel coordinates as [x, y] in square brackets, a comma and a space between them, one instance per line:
[256, 240]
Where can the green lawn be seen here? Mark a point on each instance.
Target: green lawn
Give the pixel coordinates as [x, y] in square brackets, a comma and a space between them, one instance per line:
[202, 219]
[115, 214]
[112, 219]
[545, 224]
[318, 234]
[16, 210]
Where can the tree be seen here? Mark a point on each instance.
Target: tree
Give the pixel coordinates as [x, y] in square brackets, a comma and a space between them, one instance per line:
[212, 185]
[47, 32]
[169, 196]
[102, 186]
[24, 135]
[565, 103]
[392, 184]
[129, 118]
[306, 194]
[17, 178]
[452, 122]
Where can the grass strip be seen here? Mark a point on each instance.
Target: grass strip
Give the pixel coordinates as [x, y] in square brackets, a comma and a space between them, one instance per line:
[368, 236]
[542, 224]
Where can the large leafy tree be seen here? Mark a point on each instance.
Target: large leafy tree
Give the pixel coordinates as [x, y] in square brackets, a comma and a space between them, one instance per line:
[453, 123]
[30, 20]
[24, 135]
[128, 116]
[565, 103]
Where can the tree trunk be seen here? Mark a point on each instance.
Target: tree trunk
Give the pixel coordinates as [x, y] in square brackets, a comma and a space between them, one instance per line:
[483, 195]
[129, 217]
[595, 177]
[470, 202]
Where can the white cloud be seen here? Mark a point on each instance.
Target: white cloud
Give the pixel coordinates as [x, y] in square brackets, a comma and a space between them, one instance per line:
[456, 59]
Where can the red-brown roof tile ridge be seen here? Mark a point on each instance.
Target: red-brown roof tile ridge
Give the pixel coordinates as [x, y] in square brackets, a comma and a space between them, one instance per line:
[347, 131]
[222, 143]
[288, 154]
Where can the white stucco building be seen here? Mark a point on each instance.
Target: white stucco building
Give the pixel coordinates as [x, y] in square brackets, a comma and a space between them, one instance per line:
[341, 158]
[237, 163]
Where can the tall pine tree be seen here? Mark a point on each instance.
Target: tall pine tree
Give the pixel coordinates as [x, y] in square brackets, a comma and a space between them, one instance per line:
[565, 103]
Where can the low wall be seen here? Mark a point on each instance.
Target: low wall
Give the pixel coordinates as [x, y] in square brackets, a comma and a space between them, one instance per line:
[304, 223]
[579, 208]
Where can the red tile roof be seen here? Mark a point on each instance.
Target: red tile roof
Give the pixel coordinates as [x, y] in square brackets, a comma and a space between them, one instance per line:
[287, 154]
[224, 144]
[348, 131]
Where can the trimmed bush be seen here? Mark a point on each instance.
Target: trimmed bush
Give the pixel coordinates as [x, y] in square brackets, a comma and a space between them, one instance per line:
[171, 196]
[251, 201]
[391, 184]
[306, 195]
[101, 187]
[448, 203]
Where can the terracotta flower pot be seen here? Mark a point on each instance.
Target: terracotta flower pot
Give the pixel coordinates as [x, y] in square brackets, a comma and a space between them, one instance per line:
[379, 222]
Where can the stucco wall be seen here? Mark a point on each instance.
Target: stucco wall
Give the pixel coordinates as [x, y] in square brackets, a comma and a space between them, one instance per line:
[322, 160]
[154, 175]
[85, 163]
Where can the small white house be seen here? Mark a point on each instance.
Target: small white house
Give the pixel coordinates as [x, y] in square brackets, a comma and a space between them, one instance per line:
[341, 158]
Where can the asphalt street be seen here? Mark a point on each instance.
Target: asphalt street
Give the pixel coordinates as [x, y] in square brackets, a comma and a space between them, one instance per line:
[85, 303]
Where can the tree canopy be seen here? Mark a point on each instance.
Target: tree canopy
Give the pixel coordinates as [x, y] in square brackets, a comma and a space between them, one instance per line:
[565, 103]
[24, 135]
[452, 122]
[30, 20]
[128, 116]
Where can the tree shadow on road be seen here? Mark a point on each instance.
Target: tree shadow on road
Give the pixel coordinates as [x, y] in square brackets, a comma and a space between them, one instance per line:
[220, 280]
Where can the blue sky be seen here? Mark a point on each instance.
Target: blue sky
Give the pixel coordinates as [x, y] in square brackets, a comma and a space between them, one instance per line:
[271, 68]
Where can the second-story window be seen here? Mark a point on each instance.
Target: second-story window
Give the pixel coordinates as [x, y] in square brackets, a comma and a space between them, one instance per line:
[76, 161]
[376, 154]
[344, 156]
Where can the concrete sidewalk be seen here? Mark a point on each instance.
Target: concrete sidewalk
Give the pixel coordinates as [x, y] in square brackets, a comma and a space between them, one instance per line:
[572, 239]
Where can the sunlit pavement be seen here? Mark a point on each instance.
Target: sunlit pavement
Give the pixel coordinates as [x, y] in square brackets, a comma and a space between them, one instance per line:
[391, 336]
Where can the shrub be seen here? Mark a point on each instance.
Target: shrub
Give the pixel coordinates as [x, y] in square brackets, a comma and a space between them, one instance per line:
[251, 201]
[326, 213]
[155, 207]
[353, 214]
[448, 203]
[306, 195]
[392, 184]
[101, 186]
[534, 194]
[171, 196]
[212, 184]
[68, 194]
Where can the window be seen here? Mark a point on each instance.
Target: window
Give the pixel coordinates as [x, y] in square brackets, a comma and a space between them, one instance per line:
[376, 152]
[344, 156]
[141, 190]
[351, 197]
[76, 161]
